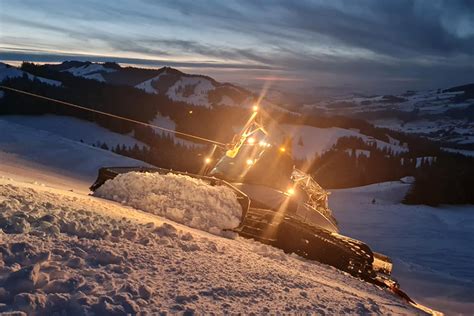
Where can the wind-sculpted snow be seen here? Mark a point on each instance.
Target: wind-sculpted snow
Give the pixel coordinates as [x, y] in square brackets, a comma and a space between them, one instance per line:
[180, 198]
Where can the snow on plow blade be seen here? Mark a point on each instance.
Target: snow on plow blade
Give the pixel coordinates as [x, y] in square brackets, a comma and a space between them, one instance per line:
[382, 263]
[108, 173]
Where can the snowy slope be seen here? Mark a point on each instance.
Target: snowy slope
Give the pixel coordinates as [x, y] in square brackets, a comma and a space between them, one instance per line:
[166, 122]
[24, 151]
[90, 71]
[147, 85]
[427, 102]
[195, 90]
[431, 247]
[435, 114]
[192, 90]
[9, 72]
[315, 141]
[468, 153]
[74, 129]
[88, 254]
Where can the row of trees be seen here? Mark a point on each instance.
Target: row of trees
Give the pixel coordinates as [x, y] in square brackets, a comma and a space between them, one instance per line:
[448, 180]
[352, 162]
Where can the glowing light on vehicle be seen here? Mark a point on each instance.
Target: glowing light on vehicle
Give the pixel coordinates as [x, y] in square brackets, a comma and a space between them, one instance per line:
[207, 160]
[263, 143]
[251, 140]
[190, 112]
[282, 149]
[290, 191]
[255, 108]
[249, 162]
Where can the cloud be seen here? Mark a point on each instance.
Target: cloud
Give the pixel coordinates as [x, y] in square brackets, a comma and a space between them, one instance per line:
[45, 57]
[362, 41]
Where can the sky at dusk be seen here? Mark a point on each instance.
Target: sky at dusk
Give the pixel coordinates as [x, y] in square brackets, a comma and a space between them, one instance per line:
[367, 44]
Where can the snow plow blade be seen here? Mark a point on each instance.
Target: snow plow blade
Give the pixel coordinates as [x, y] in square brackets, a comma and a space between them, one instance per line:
[107, 173]
[382, 263]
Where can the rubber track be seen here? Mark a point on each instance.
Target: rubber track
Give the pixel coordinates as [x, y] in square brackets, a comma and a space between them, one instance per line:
[355, 257]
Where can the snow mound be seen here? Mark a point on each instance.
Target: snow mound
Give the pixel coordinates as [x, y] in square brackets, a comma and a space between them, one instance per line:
[180, 198]
[74, 129]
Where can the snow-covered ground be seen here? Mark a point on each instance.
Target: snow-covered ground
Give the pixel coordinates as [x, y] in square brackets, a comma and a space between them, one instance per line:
[309, 141]
[467, 153]
[429, 113]
[198, 91]
[432, 248]
[90, 71]
[64, 251]
[33, 153]
[427, 102]
[9, 72]
[75, 129]
[147, 85]
[166, 122]
[67, 252]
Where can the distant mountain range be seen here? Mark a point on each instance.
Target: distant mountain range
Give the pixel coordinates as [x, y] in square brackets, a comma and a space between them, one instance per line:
[192, 89]
[443, 114]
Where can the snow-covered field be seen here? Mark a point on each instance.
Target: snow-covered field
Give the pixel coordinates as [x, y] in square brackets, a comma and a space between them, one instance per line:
[467, 153]
[166, 122]
[427, 102]
[432, 248]
[309, 141]
[9, 72]
[64, 251]
[90, 71]
[198, 95]
[47, 157]
[75, 129]
[429, 113]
